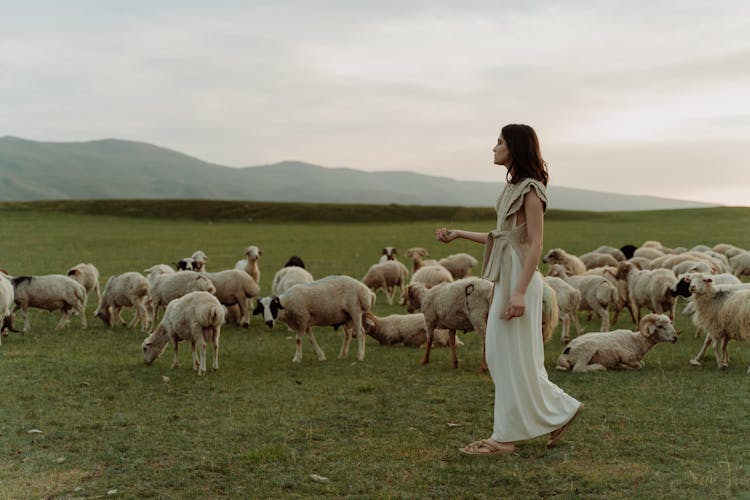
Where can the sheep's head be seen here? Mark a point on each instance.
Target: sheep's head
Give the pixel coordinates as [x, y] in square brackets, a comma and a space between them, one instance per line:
[415, 253]
[205, 285]
[554, 256]
[253, 253]
[368, 322]
[186, 264]
[104, 313]
[390, 252]
[269, 308]
[658, 328]
[295, 261]
[701, 283]
[155, 344]
[413, 295]
[557, 270]
[682, 287]
[623, 269]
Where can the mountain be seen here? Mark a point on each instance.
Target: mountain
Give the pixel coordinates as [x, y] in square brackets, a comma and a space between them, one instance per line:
[113, 168]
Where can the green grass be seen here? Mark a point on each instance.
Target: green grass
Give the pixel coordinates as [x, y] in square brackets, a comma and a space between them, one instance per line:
[379, 428]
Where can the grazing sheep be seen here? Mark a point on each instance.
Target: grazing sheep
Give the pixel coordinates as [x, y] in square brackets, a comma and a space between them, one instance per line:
[157, 270]
[728, 250]
[88, 276]
[250, 263]
[568, 301]
[388, 253]
[573, 265]
[125, 290]
[623, 299]
[614, 252]
[431, 275]
[50, 292]
[6, 303]
[196, 317]
[168, 287]
[669, 261]
[232, 288]
[617, 349]
[406, 329]
[459, 264]
[331, 301]
[740, 264]
[597, 293]
[199, 261]
[648, 288]
[387, 275]
[417, 254]
[287, 277]
[593, 260]
[691, 266]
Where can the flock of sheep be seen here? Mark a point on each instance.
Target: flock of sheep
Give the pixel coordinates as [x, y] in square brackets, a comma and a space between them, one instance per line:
[441, 298]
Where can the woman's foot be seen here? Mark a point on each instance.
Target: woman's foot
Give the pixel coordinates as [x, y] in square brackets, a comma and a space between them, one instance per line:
[488, 447]
[556, 435]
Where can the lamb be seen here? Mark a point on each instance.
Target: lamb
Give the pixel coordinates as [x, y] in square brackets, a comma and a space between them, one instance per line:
[648, 288]
[406, 329]
[386, 275]
[740, 264]
[88, 276]
[250, 263]
[6, 302]
[431, 275]
[417, 254]
[459, 264]
[287, 277]
[573, 265]
[50, 292]
[199, 261]
[232, 288]
[597, 293]
[129, 289]
[568, 301]
[724, 314]
[168, 287]
[617, 349]
[388, 253]
[196, 317]
[592, 260]
[459, 305]
[331, 301]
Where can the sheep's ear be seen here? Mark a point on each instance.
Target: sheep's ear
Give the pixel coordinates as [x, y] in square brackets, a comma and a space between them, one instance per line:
[709, 280]
[369, 321]
[650, 329]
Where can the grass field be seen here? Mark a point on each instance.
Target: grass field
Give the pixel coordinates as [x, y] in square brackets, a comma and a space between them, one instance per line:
[384, 427]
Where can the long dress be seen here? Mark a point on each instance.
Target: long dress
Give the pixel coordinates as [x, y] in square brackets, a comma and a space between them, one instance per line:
[527, 404]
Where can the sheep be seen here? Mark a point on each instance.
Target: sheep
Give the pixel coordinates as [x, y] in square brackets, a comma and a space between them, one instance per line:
[614, 252]
[157, 270]
[740, 264]
[682, 289]
[628, 250]
[597, 293]
[640, 262]
[728, 250]
[649, 253]
[186, 264]
[388, 253]
[623, 299]
[459, 264]
[295, 261]
[386, 275]
[331, 301]
[196, 317]
[599, 351]
[723, 313]
[550, 312]
[593, 260]
[6, 302]
[50, 292]
[129, 289]
[648, 288]
[691, 266]
[431, 275]
[250, 263]
[88, 276]
[406, 329]
[168, 287]
[232, 288]
[669, 261]
[573, 265]
[287, 277]
[417, 254]
[568, 301]
[199, 261]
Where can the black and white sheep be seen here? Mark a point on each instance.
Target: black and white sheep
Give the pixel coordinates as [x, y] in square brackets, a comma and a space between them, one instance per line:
[388, 253]
[51, 292]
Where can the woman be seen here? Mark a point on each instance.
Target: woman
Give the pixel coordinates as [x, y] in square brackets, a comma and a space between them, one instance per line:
[527, 404]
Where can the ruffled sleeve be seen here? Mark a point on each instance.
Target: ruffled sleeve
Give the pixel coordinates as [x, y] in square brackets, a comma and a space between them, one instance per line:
[524, 187]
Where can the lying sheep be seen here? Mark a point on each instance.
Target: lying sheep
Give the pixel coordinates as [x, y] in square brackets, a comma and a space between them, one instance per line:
[232, 288]
[431, 275]
[459, 264]
[597, 293]
[168, 287]
[594, 260]
[417, 255]
[617, 349]
[648, 288]
[125, 290]
[568, 301]
[386, 276]
[50, 292]
[331, 301]
[6, 303]
[250, 263]
[157, 270]
[196, 317]
[740, 264]
[88, 276]
[388, 253]
[287, 277]
[573, 265]
[406, 329]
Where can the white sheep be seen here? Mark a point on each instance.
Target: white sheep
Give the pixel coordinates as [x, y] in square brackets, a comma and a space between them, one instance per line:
[670, 261]
[573, 265]
[728, 250]
[649, 288]
[129, 289]
[199, 261]
[88, 276]
[682, 289]
[51, 292]
[167, 287]
[691, 266]
[157, 270]
[550, 312]
[386, 276]
[196, 317]
[599, 351]
[250, 263]
[417, 255]
[459, 264]
[649, 253]
[232, 288]
[597, 293]
[614, 252]
[6, 303]
[431, 275]
[740, 264]
[623, 299]
[594, 260]
[287, 277]
[406, 329]
[568, 302]
[331, 301]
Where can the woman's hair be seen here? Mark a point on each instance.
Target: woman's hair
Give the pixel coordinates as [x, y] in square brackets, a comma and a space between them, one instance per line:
[525, 156]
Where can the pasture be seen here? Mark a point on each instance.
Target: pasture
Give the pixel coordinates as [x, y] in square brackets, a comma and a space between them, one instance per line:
[385, 427]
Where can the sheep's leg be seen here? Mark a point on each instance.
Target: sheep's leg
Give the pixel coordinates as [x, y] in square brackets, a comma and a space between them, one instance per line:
[428, 343]
[482, 331]
[603, 313]
[26, 324]
[596, 367]
[98, 292]
[81, 308]
[632, 365]
[244, 313]
[63, 319]
[118, 314]
[452, 345]
[202, 352]
[215, 341]
[134, 319]
[359, 330]
[176, 345]
[565, 332]
[577, 323]
[318, 350]
[724, 352]
[347, 341]
[390, 291]
[581, 360]
[196, 359]
[632, 313]
[298, 349]
[696, 361]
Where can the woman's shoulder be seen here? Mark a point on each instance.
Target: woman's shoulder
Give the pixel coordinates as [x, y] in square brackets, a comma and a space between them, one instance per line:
[517, 192]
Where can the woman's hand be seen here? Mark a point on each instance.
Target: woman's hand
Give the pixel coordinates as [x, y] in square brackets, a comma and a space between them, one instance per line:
[446, 235]
[516, 306]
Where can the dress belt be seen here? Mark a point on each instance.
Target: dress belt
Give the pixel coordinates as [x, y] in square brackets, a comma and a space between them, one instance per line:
[496, 257]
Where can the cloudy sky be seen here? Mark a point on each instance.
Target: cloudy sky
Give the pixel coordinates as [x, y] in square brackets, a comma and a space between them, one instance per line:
[640, 97]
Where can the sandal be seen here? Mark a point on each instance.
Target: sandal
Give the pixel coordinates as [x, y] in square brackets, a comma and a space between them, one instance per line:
[490, 446]
[556, 435]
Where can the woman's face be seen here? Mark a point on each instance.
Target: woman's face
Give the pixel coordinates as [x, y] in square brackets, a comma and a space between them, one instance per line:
[502, 153]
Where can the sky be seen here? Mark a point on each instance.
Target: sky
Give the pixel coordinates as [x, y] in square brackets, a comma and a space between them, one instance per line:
[637, 97]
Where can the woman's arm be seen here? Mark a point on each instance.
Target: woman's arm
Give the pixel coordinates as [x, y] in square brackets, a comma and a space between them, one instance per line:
[448, 235]
[534, 212]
